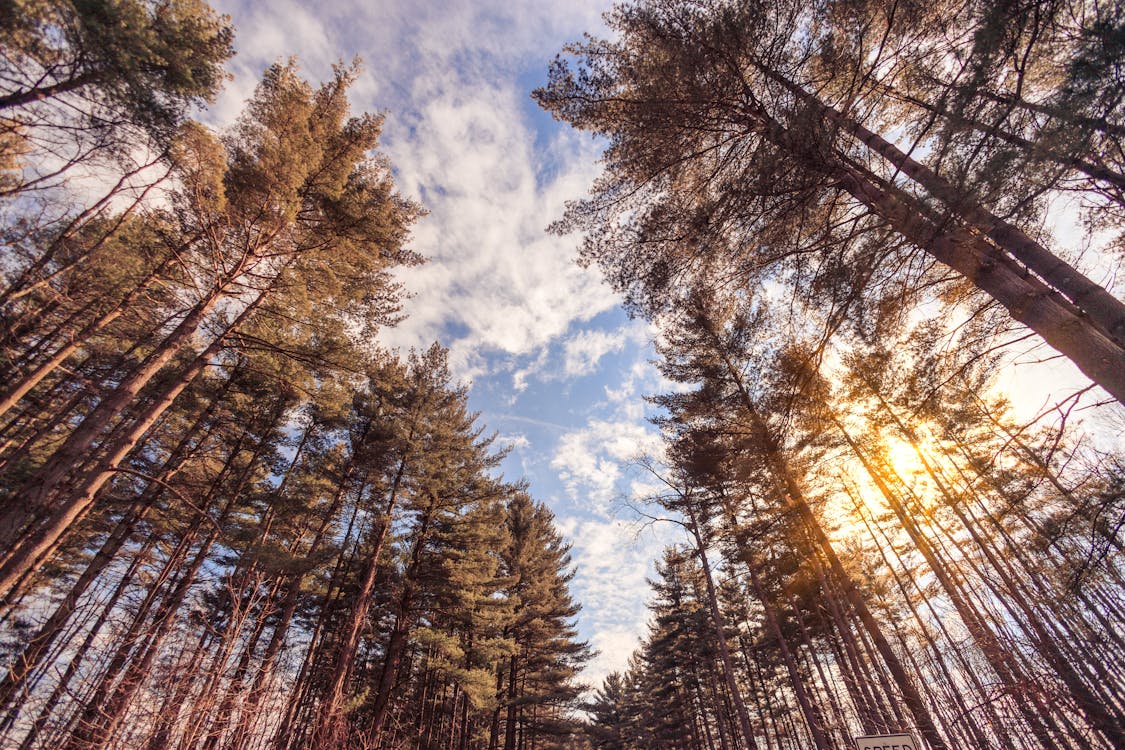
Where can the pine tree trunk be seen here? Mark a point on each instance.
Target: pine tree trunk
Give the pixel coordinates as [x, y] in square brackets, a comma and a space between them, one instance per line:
[984, 700]
[510, 724]
[23, 386]
[1106, 311]
[37, 647]
[794, 495]
[811, 712]
[1091, 705]
[401, 627]
[997, 657]
[1042, 308]
[37, 543]
[177, 701]
[62, 686]
[281, 627]
[720, 636]
[106, 709]
[330, 730]
[301, 687]
[36, 494]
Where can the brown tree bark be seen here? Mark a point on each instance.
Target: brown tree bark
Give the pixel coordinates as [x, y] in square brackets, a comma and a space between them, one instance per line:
[1106, 311]
[37, 542]
[731, 683]
[330, 729]
[19, 389]
[790, 489]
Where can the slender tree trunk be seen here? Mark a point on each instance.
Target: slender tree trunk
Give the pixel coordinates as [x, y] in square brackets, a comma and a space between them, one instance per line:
[301, 685]
[985, 700]
[63, 684]
[997, 657]
[402, 620]
[169, 715]
[105, 711]
[330, 730]
[811, 712]
[1106, 311]
[23, 386]
[36, 494]
[37, 647]
[26, 283]
[795, 498]
[37, 543]
[1090, 704]
[744, 724]
[281, 628]
[1042, 308]
[511, 723]
[1072, 161]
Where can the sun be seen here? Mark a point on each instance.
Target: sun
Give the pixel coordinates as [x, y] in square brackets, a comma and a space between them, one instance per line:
[903, 458]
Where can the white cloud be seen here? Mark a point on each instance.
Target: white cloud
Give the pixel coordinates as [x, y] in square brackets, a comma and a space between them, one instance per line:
[584, 350]
[521, 375]
[614, 558]
[493, 272]
[641, 379]
[464, 140]
[460, 135]
[590, 460]
[515, 442]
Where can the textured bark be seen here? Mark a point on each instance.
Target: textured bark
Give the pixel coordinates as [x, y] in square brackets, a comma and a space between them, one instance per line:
[39, 93]
[744, 724]
[330, 729]
[401, 629]
[23, 386]
[43, 537]
[1105, 311]
[793, 494]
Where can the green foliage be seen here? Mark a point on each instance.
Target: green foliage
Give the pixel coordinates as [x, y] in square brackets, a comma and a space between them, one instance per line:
[146, 62]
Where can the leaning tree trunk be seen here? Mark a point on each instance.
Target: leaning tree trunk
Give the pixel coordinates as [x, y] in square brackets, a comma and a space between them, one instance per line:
[400, 631]
[1061, 312]
[1098, 305]
[1000, 659]
[23, 386]
[38, 542]
[330, 729]
[791, 489]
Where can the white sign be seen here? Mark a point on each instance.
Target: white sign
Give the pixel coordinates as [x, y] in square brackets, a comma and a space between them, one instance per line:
[887, 742]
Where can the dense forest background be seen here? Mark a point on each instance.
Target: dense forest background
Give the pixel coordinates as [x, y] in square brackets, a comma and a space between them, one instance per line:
[230, 519]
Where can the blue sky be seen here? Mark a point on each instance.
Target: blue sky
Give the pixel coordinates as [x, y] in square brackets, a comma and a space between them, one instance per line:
[557, 368]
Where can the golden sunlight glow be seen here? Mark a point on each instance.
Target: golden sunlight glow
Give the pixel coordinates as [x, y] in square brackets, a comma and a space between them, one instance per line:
[904, 473]
[904, 459]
